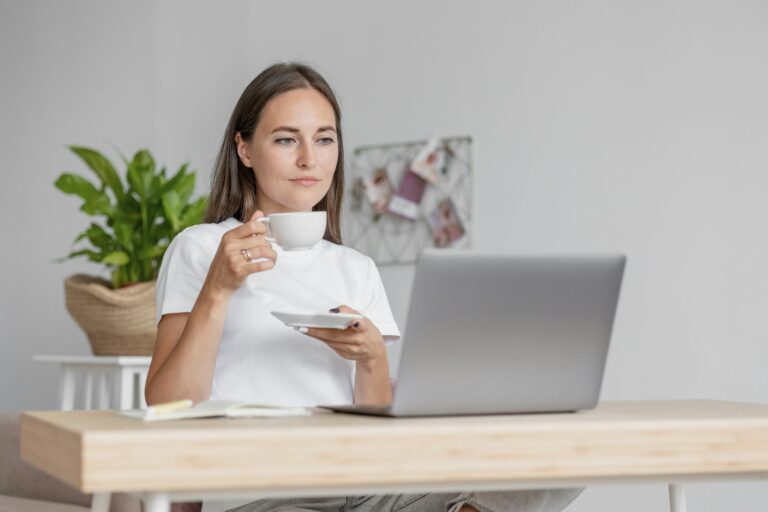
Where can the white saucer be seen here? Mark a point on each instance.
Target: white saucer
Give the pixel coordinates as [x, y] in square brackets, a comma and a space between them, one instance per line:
[323, 320]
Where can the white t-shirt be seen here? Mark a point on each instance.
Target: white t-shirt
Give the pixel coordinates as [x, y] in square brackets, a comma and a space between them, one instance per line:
[261, 359]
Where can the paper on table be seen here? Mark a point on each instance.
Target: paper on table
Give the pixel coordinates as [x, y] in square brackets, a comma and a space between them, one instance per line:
[219, 408]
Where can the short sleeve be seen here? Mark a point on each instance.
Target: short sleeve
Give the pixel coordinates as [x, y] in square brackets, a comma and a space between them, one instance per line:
[377, 307]
[182, 274]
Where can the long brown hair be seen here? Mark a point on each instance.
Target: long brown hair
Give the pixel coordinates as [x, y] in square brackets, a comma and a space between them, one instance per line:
[233, 185]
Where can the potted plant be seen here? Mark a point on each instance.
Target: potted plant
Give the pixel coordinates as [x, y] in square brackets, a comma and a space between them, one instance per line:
[138, 220]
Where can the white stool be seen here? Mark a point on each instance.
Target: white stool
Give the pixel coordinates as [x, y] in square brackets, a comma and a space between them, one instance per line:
[117, 381]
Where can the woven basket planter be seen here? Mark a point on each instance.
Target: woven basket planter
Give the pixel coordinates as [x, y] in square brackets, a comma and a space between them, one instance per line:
[117, 322]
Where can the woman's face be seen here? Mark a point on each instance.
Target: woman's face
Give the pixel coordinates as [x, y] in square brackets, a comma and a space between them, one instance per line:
[293, 151]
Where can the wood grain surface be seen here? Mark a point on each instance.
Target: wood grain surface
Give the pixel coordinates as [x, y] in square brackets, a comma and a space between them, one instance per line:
[97, 451]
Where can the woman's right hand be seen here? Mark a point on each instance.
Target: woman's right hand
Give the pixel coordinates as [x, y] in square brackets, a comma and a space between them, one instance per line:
[230, 265]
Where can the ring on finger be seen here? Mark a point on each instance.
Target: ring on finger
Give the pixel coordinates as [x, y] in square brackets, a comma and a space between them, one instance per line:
[246, 255]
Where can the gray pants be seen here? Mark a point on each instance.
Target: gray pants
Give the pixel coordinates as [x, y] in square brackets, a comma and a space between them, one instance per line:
[545, 500]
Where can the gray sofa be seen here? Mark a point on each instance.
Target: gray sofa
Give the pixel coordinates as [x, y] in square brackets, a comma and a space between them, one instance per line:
[24, 488]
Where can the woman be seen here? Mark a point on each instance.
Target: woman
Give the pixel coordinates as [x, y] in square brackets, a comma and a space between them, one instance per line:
[283, 152]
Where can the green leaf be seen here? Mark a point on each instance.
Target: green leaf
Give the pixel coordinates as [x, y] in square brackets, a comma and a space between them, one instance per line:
[129, 207]
[185, 187]
[76, 185]
[141, 173]
[193, 214]
[161, 230]
[102, 167]
[155, 186]
[171, 183]
[98, 205]
[124, 233]
[92, 255]
[150, 253]
[81, 236]
[135, 180]
[97, 236]
[144, 161]
[116, 258]
[171, 207]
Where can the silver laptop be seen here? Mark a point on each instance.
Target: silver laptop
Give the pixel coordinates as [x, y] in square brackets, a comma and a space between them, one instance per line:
[491, 334]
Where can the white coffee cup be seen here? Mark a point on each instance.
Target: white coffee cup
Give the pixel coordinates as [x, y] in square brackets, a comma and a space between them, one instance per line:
[296, 231]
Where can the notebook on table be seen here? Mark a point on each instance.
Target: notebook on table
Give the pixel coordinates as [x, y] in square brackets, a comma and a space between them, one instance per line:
[185, 409]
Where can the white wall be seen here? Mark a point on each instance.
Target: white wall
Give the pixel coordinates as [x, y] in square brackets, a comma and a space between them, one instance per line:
[70, 73]
[599, 126]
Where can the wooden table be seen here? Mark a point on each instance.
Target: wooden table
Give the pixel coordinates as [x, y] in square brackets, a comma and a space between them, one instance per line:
[336, 454]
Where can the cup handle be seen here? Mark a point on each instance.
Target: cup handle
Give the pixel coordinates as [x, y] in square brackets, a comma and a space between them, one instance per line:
[265, 220]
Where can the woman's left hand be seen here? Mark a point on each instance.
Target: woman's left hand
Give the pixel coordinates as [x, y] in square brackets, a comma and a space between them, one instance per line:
[361, 342]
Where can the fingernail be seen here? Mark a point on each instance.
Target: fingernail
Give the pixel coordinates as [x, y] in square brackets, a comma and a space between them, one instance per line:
[303, 330]
[334, 310]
